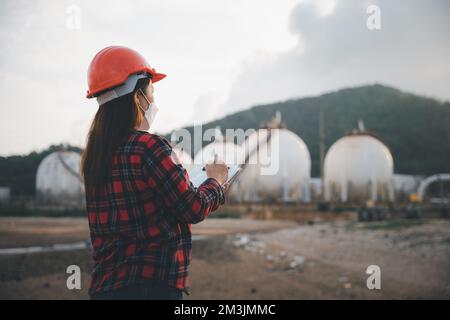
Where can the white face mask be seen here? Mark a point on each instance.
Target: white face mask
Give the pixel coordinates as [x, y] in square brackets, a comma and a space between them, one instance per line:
[151, 112]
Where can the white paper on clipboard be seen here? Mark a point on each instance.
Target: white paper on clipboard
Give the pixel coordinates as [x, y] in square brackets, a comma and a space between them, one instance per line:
[197, 175]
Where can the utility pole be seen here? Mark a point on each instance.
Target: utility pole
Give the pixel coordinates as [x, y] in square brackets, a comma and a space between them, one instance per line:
[322, 148]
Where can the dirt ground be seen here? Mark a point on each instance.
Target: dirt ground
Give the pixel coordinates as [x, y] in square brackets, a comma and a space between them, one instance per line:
[254, 259]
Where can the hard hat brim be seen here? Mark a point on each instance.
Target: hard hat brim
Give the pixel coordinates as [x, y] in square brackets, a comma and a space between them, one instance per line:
[155, 77]
[158, 76]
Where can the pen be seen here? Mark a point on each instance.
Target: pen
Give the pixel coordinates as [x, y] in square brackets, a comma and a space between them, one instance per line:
[203, 169]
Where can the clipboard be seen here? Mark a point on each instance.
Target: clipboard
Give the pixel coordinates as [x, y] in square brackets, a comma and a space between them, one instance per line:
[197, 175]
[232, 178]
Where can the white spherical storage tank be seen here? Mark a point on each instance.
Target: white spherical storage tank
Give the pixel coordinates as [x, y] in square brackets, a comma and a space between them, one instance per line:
[278, 171]
[58, 180]
[184, 158]
[228, 152]
[358, 168]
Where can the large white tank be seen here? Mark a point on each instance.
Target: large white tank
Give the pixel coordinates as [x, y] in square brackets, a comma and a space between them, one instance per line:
[358, 167]
[184, 158]
[278, 171]
[58, 180]
[228, 152]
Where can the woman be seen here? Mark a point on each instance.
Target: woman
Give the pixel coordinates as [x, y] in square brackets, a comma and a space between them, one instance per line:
[139, 200]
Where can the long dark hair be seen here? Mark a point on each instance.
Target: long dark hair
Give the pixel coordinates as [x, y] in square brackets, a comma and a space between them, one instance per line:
[111, 126]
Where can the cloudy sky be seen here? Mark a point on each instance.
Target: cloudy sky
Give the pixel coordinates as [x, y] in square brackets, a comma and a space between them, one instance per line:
[220, 56]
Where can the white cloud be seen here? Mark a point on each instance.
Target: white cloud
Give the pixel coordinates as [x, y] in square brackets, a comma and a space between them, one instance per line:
[199, 44]
[335, 50]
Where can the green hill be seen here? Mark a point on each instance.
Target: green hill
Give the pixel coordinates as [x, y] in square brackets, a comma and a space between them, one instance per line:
[415, 128]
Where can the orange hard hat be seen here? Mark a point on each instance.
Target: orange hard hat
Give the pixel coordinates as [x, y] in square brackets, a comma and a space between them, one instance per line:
[113, 66]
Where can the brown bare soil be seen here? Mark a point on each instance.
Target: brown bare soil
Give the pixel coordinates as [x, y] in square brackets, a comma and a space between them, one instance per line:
[254, 259]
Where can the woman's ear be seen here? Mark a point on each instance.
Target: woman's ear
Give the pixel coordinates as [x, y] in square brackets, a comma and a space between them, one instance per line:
[136, 100]
[139, 116]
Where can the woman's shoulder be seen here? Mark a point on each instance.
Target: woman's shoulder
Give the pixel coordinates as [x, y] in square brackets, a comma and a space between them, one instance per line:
[146, 140]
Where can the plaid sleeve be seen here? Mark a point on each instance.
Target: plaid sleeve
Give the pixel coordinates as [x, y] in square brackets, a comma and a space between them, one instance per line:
[171, 182]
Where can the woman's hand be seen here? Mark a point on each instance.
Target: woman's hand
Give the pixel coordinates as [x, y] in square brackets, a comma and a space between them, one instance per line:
[218, 171]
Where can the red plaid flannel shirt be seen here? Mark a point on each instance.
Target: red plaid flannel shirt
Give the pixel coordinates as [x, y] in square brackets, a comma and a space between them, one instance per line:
[140, 220]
